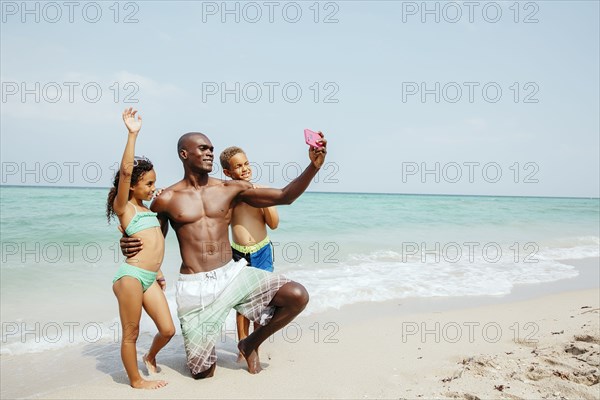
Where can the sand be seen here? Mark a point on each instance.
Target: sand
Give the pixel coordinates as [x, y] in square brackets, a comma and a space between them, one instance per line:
[530, 345]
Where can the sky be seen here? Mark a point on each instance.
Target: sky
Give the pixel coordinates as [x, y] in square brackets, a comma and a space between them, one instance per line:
[476, 98]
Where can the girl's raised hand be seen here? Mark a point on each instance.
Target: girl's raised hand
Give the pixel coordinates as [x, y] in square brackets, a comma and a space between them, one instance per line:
[133, 125]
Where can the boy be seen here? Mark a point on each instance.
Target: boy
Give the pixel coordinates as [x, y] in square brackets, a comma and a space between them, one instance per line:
[249, 233]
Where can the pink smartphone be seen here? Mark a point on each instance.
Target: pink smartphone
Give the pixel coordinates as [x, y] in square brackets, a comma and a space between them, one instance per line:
[312, 138]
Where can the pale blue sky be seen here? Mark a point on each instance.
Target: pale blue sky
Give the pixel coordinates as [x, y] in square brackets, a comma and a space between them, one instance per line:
[367, 61]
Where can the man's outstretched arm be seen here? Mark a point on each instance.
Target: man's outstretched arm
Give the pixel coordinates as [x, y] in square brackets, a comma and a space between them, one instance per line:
[267, 197]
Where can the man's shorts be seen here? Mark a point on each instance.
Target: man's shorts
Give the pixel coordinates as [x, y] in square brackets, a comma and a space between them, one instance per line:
[205, 299]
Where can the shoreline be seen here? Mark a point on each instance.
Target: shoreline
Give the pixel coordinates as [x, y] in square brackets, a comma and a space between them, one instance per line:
[437, 347]
[588, 278]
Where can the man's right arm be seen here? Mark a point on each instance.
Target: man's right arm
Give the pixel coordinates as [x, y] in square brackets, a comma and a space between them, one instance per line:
[266, 197]
[130, 246]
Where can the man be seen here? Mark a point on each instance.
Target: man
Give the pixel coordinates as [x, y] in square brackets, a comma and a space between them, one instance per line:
[210, 283]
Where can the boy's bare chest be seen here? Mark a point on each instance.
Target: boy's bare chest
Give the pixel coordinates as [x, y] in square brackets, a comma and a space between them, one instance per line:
[244, 214]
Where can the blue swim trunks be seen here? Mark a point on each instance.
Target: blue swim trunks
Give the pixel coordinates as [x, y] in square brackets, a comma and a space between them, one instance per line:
[258, 256]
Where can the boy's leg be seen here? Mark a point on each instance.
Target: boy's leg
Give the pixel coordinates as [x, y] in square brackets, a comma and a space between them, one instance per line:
[262, 259]
[242, 323]
[243, 326]
[129, 295]
[155, 304]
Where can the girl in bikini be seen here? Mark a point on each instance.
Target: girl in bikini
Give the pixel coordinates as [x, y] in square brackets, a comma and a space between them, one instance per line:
[139, 281]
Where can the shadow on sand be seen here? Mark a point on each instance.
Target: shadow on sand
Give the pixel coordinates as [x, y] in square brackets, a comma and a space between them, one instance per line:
[108, 357]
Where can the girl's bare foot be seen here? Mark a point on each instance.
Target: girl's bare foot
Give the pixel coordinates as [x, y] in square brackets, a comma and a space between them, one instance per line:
[143, 384]
[150, 364]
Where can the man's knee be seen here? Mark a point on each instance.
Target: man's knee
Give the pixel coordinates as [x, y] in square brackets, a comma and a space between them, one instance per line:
[299, 295]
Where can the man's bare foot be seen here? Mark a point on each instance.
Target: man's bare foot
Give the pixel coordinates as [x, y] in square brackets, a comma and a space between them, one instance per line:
[150, 364]
[143, 384]
[240, 358]
[251, 356]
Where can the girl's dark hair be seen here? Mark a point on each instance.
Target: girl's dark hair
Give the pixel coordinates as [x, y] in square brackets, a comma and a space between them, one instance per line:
[141, 166]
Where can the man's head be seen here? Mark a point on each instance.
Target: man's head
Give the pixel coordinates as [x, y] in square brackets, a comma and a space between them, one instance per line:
[235, 164]
[195, 151]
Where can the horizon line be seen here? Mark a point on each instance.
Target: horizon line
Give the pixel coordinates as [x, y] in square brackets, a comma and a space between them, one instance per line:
[325, 192]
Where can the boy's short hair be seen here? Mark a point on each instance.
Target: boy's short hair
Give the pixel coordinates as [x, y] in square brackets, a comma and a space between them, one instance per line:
[227, 154]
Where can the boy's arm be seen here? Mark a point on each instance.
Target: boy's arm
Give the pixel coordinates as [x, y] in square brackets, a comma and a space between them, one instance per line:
[271, 215]
[266, 197]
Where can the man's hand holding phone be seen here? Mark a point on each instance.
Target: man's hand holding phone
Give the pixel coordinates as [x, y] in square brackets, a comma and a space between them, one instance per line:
[318, 147]
[312, 138]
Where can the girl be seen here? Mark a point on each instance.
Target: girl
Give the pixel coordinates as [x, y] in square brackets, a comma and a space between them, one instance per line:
[136, 283]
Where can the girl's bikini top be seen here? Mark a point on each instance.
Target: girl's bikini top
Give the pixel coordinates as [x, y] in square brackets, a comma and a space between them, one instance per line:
[140, 221]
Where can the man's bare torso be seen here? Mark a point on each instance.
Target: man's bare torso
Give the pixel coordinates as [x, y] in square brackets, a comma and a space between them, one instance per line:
[200, 217]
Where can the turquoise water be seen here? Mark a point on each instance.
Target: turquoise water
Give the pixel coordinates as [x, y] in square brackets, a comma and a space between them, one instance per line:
[59, 254]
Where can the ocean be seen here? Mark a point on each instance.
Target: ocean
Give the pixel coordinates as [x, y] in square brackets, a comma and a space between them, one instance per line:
[59, 254]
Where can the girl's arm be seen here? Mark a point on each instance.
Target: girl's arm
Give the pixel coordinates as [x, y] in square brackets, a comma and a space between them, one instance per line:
[133, 127]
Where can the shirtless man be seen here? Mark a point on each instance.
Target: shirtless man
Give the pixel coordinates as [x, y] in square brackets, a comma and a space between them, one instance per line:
[210, 283]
